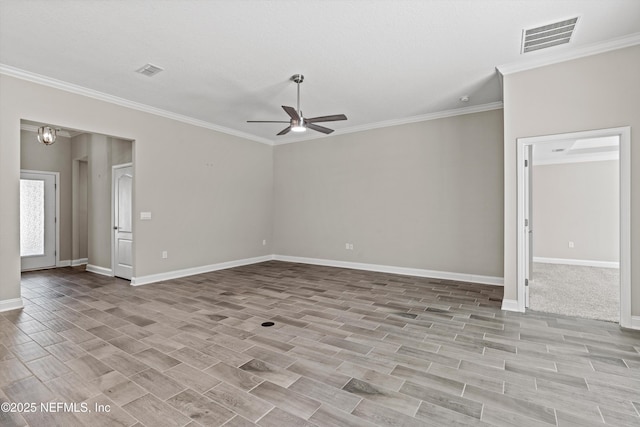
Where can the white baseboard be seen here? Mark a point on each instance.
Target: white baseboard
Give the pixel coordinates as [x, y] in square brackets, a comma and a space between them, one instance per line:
[99, 270]
[581, 262]
[510, 305]
[81, 261]
[635, 322]
[64, 263]
[11, 304]
[176, 274]
[474, 278]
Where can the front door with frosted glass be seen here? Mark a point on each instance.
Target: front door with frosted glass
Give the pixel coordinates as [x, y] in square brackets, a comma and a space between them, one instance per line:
[37, 220]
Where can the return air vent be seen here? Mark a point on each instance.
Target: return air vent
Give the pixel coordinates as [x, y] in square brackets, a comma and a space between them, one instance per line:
[149, 70]
[548, 35]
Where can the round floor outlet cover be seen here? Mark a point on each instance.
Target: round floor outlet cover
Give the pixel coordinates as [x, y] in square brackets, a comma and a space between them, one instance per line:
[265, 324]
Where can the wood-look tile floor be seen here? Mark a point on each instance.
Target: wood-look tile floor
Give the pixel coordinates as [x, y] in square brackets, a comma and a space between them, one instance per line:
[348, 348]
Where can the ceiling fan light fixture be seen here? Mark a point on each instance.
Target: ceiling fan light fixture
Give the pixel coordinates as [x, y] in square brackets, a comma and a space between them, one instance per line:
[297, 122]
[46, 135]
[299, 127]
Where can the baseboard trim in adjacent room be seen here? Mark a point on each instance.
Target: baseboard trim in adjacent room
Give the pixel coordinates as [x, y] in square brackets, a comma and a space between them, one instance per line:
[11, 304]
[510, 305]
[64, 263]
[474, 278]
[81, 261]
[176, 274]
[99, 270]
[581, 262]
[635, 322]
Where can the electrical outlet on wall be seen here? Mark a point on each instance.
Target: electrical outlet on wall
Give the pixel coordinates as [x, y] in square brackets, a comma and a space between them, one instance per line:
[348, 246]
[165, 255]
[571, 245]
[264, 242]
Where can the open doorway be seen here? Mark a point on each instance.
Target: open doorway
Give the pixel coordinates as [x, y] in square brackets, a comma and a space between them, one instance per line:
[599, 143]
[82, 162]
[574, 220]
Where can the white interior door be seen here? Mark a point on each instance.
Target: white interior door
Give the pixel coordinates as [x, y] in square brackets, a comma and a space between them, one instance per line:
[528, 221]
[123, 221]
[37, 220]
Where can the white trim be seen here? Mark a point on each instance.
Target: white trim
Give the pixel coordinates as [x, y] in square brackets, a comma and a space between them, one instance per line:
[407, 120]
[625, 226]
[101, 96]
[176, 274]
[581, 262]
[511, 305]
[81, 261]
[474, 278]
[64, 263]
[578, 52]
[11, 304]
[635, 323]
[594, 157]
[625, 211]
[99, 270]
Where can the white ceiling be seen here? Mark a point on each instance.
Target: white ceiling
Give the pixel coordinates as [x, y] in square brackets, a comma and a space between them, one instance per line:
[230, 61]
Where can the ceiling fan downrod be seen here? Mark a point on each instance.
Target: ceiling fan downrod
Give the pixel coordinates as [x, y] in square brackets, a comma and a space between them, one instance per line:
[298, 78]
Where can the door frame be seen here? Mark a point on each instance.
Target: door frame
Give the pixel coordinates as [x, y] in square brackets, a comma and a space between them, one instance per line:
[113, 219]
[56, 222]
[625, 211]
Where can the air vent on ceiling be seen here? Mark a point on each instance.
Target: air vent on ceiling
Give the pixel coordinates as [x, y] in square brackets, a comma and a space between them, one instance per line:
[149, 70]
[548, 35]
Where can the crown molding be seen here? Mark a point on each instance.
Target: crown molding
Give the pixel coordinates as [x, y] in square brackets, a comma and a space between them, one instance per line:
[579, 52]
[407, 120]
[80, 90]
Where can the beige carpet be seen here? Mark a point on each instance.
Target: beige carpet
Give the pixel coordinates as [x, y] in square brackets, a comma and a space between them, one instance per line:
[588, 292]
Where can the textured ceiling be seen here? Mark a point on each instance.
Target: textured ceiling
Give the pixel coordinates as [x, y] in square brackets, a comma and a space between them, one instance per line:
[230, 61]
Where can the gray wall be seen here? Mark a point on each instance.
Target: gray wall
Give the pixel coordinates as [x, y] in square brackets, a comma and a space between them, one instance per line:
[210, 193]
[103, 152]
[80, 202]
[577, 202]
[83, 211]
[594, 92]
[425, 195]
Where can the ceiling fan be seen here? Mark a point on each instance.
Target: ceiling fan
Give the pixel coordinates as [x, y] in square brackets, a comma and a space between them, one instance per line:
[298, 123]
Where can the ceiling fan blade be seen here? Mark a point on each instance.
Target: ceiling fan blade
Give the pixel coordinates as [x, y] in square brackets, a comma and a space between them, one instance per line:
[333, 118]
[291, 112]
[267, 121]
[318, 128]
[284, 131]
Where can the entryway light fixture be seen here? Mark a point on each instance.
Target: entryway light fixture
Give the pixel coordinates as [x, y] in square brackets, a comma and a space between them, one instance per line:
[47, 135]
